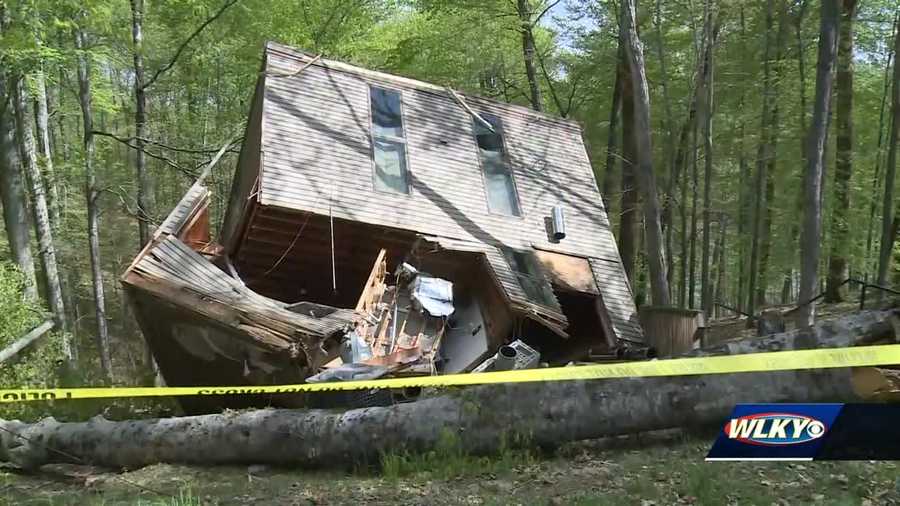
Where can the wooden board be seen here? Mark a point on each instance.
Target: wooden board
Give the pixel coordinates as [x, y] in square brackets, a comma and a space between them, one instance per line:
[568, 271]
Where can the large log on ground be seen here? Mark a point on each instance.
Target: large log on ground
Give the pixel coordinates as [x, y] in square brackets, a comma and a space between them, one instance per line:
[481, 418]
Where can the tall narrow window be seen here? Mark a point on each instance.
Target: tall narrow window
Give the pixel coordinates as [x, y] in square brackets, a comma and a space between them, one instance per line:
[388, 141]
[530, 273]
[498, 180]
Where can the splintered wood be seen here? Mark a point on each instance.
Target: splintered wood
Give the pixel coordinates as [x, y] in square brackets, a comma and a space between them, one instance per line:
[401, 338]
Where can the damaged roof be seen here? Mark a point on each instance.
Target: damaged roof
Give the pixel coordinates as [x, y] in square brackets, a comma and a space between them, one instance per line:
[309, 147]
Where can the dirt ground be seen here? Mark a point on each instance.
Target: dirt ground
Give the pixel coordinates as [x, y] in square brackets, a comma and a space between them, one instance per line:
[648, 470]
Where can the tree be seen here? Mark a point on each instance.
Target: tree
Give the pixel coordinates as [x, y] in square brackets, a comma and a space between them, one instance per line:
[888, 230]
[653, 238]
[146, 199]
[615, 111]
[12, 194]
[92, 194]
[813, 176]
[523, 9]
[838, 269]
[762, 157]
[481, 419]
[707, 113]
[628, 207]
[25, 136]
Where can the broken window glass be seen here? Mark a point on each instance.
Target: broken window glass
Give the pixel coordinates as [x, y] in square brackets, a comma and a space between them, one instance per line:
[388, 141]
[530, 275]
[498, 180]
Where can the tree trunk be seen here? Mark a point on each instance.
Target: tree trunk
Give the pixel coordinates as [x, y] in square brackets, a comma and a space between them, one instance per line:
[479, 419]
[720, 263]
[91, 196]
[12, 194]
[679, 177]
[887, 218]
[762, 157]
[787, 285]
[668, 152]
[146, 199]
[523, 8]
[706, 302]
[838, 269]
[629, 200]
[653, 237]
[611, 139]
[25, 136]
[743, 178]
[46, 154]
[695, 194]
[876, 177]
[812, 180]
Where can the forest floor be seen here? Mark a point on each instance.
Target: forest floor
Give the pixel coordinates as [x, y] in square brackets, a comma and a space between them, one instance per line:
[648, 470]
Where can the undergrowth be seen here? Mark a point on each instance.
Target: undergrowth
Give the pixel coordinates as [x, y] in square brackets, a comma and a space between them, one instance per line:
[450, 460]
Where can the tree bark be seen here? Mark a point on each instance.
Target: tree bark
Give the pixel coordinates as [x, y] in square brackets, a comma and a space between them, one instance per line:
[706, 302]
[653, 237]
[838, 269]
[887, 218]
[720, 264]
[523, 8]
[43, 137]
[481, 419]
[43, 229]
[12, 194]
[743, 177]
[146, 200]
[695, 194]
[669, 150]
[761, 166]
[787, 285]
[611, 138]
[92, 195]
[629, 196]
[812, 180]
[879, 149]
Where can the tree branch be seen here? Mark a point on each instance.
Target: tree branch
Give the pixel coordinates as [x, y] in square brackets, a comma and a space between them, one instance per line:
[553, 94]
[200, 151]
[539, 16]
[168, 161]
[184, 44]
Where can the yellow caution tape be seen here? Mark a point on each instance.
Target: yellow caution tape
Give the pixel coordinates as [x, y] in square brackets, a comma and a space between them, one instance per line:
[860, 356]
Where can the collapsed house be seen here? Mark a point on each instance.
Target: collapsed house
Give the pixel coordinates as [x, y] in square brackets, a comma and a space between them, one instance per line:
[381, 226]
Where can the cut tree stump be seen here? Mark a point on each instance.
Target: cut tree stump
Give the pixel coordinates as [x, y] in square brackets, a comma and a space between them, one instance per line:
[482, 418]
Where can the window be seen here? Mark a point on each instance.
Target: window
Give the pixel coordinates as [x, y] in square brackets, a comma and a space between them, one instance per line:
[388, 141]
[498, 180]
[530, 274]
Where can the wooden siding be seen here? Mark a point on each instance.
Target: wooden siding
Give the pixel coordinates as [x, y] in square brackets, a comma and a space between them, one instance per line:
[245, 175]
[317, 156]
[173, 262]
[617, 297]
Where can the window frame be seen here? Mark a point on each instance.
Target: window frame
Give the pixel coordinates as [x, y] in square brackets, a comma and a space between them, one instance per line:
[388, 138]
[507, 163]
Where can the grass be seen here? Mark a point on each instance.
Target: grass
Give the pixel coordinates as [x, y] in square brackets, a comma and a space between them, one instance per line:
[642, 471]
[448, 460]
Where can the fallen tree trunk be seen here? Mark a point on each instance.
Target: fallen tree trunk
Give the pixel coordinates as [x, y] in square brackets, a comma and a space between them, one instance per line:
[481, 418]
[858, 329]
[22, 342]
